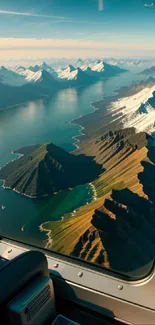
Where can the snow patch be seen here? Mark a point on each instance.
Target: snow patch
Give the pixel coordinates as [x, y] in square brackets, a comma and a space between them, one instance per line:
[136, 110]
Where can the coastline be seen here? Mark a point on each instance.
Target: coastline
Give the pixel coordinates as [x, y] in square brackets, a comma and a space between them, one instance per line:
[81, 127]
[13, 153]
[48, 234]
[14, 189]
[93, 188]
[80, 121]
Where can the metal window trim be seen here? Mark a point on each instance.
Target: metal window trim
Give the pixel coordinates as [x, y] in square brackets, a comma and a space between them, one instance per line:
[120, 310]
[138, 295]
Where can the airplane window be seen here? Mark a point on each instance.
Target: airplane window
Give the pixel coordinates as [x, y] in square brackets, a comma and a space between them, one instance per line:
[77, 129]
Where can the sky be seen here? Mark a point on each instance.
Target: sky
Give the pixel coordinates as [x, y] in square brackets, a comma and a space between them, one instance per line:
[40, 29]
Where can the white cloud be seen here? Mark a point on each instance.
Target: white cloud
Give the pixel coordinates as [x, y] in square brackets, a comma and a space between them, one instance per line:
[57, 19]
[29, 14]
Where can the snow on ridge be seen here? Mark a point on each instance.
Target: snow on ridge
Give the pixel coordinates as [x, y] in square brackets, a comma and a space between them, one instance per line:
[69, 73]
[19, 69]
[9, 77]
[31, 76]
[99, 67]
[126, 110]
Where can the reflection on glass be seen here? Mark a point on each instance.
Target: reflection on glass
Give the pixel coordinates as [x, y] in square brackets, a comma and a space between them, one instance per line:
[77, 129]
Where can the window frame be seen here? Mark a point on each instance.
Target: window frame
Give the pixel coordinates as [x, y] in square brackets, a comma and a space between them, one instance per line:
[130, 301]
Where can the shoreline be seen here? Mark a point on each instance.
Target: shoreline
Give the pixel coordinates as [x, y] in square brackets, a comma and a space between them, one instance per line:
[14, 189]
[80, 126]
[48, 234]
[13, 153]
[93, 188]
[81, 118]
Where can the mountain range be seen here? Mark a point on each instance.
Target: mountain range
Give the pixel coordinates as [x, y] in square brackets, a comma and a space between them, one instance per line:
[120, 219]
[36, 81]
[130, 63]
[149, 71]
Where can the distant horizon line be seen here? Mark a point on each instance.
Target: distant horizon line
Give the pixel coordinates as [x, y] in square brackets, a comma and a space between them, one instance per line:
[55, 61]
[82, 58]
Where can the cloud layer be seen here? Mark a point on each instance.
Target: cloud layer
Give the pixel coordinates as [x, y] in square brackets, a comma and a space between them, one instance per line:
[56, 43]
[31, 48]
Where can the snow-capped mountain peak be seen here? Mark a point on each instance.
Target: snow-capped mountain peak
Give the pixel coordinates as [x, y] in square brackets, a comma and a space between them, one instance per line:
[41, 77]
[70, 68]
[43, 73]
[43, 66]
[99, 66]
[68, 73]
[78, 63]
[31, 76]
[9, 77]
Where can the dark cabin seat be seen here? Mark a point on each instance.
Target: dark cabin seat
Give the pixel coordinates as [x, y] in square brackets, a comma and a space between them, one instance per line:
[17, 274]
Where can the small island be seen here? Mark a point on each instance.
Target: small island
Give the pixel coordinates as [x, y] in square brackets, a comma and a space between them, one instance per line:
[46, 169]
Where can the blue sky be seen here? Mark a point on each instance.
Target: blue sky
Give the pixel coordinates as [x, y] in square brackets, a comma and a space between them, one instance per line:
[72, 28]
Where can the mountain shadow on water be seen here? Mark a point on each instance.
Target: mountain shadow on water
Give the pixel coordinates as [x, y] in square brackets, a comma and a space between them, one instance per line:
[126, 224]
[47, 169]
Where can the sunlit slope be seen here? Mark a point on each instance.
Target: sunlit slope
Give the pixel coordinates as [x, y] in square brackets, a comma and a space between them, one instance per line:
[121, 154]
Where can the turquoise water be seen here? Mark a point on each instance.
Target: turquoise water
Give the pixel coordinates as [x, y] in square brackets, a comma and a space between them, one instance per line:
[40, 122]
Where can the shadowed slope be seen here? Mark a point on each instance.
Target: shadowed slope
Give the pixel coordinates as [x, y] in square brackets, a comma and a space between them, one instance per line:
[48, 169]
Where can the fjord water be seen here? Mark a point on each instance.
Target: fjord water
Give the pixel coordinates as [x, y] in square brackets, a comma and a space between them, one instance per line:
[44, 121]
